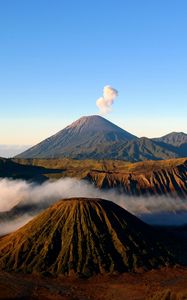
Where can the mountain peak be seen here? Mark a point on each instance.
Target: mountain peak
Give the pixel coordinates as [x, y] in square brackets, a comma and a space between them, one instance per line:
[83, 236]
[94, 137]
[94, 123]
[88, 137]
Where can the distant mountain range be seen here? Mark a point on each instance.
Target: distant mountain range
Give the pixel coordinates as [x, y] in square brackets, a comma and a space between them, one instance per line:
[175, 139]
[94, 137]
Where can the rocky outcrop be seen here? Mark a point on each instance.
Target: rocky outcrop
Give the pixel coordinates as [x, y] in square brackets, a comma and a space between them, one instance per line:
[168, 180]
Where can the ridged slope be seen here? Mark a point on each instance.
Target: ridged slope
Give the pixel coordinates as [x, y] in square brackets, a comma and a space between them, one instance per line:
[144, 181]
[149, 177]
[84, 236]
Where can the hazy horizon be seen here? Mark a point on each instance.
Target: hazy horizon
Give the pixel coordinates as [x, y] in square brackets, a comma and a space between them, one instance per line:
[9, 150]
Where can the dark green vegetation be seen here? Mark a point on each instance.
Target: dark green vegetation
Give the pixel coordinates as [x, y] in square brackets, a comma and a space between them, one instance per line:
[83, 236]
[142, 178]
[94, 137]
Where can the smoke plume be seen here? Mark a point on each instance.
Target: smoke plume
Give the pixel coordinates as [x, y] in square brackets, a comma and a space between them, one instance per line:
[20, 201]
[105, 102]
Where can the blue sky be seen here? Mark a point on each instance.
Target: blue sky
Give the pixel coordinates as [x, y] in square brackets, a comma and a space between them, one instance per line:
[56, 57]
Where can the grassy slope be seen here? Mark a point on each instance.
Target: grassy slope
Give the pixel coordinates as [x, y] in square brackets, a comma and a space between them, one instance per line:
[103, 165]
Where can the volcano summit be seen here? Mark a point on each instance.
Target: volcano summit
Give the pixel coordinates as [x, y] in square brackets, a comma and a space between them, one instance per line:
[94, 137]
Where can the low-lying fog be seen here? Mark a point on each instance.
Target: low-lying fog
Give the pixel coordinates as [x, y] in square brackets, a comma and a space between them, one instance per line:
[20, 201]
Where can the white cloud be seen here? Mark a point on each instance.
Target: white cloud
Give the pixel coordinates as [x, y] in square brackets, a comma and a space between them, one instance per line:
[32, 198]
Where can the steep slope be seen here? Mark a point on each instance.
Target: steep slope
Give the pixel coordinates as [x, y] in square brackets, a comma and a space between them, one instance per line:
[83, 236]
[88, 137]
[94, 137]
[146, 149]
[142, 178]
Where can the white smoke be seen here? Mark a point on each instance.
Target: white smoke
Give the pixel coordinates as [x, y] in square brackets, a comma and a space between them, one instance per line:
[105, 102]
[38, 197]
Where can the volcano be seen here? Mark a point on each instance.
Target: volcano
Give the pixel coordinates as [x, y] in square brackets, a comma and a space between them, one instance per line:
[83, 236]
[94, 137]
[88, 137]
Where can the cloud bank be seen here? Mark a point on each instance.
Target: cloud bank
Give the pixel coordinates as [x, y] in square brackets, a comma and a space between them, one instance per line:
[20, 201]
[105, 102]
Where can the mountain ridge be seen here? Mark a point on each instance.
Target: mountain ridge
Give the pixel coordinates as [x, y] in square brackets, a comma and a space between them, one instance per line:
[161, 177]
[95, 137]
[173, 138]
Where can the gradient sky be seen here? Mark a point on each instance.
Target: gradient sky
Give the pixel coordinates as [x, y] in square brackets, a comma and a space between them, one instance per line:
[56, 56]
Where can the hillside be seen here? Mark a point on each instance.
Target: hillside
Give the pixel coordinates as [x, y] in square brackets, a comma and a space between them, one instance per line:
[94, 137]
[83, 236]
[163, 181]
[174, 138]
[142, 178]
[16, 170]
[88, 137]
